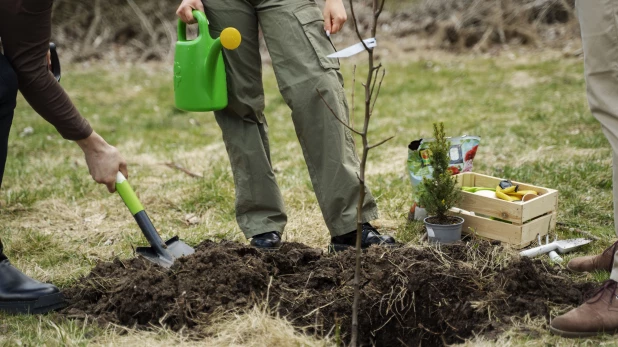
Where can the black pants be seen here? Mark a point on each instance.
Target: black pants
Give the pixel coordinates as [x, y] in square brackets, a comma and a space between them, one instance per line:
[8, 95]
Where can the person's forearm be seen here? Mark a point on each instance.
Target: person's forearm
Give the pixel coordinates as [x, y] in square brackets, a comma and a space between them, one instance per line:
[93, 143]
[25, 39]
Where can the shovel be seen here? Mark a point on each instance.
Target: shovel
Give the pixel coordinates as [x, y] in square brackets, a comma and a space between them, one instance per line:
[561, 246]
[55, 62]
[159, 252]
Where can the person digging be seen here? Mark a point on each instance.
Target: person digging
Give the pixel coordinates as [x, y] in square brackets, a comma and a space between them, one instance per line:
[25, 30]
[296, 34]
[599, 31]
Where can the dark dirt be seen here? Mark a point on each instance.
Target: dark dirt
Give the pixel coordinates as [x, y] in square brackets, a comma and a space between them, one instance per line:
[409, 296]
[448, 220]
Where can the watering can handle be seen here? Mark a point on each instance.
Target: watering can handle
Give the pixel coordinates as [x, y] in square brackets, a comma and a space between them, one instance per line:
[202, 24]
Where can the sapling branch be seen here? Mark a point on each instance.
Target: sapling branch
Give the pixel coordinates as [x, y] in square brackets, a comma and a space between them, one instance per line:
[369, 86]
[337, 117]
[373, 85]
[353, 110]
[378, 91]
[380, 143]
[379, 12]
[358, 33]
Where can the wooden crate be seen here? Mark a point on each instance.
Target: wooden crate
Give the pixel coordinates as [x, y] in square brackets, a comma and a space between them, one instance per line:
[519, 222]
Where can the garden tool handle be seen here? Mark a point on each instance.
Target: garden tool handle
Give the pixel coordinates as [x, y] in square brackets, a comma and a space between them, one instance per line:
[555, 257]
[55, 62]
[533, 252]
[137, 210]
[127, 194]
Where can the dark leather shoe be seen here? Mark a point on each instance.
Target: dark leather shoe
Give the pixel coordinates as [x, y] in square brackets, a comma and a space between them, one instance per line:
[22, 294]
[370, 237]
[267, 241]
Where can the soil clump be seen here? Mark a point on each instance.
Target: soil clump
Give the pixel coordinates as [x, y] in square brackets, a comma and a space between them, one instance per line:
[410, 295]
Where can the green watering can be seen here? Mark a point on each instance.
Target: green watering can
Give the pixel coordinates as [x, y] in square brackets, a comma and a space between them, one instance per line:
[199, 72]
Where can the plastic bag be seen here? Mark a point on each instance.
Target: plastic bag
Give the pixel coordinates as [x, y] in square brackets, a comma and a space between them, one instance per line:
[462, 152]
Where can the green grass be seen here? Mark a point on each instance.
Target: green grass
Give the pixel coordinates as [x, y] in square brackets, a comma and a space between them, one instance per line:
[530, 111]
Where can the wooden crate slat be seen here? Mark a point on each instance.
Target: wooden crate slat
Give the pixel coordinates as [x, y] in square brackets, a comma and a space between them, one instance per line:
[545, 203]
[492, 229]
[468, 180]
[518, 236]
[540, 226]
[520, 222]
[492, 207]
[486, 181]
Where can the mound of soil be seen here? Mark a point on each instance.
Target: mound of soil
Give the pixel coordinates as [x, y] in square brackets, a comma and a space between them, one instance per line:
[409, 295]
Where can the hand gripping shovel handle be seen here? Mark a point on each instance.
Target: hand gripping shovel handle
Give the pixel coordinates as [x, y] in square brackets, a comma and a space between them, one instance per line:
[137, 210]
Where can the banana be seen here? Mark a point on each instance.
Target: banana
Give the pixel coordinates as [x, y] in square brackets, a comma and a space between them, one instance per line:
[515, 196]
[475, 189]
[503, 196]
[521, 193]
[508, 194]
[508, 190]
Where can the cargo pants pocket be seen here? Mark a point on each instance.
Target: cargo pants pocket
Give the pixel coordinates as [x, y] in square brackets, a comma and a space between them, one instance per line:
[312, 21]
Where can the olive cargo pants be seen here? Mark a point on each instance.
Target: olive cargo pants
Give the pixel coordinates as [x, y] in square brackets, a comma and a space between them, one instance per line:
[598, 20]
[295, 38]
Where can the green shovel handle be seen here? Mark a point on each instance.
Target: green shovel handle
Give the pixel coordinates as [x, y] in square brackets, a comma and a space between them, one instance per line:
[127, 194]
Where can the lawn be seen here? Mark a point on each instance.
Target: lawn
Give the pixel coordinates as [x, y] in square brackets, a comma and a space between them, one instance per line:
[529, 109]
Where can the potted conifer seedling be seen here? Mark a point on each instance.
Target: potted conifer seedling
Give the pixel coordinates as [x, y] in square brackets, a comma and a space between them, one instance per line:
[440, 192]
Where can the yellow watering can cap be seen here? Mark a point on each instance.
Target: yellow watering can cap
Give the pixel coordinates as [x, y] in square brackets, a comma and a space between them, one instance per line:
[230, 38]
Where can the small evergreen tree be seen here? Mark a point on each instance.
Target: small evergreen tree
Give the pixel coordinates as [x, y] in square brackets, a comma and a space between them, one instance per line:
[439, 193]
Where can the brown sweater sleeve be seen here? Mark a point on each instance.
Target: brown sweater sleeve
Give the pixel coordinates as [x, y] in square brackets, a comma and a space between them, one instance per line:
[25, 30]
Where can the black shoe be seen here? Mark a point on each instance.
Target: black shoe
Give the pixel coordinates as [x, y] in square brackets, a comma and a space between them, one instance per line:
[370, 236]
[267, 241]
[22, 294]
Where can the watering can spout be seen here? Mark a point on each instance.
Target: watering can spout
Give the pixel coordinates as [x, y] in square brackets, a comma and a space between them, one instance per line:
[230, 39]
[211, 61]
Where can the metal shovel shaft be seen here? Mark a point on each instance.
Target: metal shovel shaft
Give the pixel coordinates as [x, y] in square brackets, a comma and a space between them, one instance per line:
[159, 252]
[151, 234]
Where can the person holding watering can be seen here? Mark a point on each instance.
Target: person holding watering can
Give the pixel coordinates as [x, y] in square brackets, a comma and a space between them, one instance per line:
[25, 30]
[297, 36]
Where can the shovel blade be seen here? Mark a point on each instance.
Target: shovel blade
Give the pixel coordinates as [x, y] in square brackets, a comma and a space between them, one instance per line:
[175, 249]
[571, 244]
[151, 255]
[178, 248]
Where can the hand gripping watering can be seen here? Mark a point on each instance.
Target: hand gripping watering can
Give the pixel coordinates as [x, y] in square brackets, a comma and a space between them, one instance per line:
[199, 72]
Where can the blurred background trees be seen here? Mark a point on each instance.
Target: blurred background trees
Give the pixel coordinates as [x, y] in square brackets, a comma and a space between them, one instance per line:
[142, 30]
